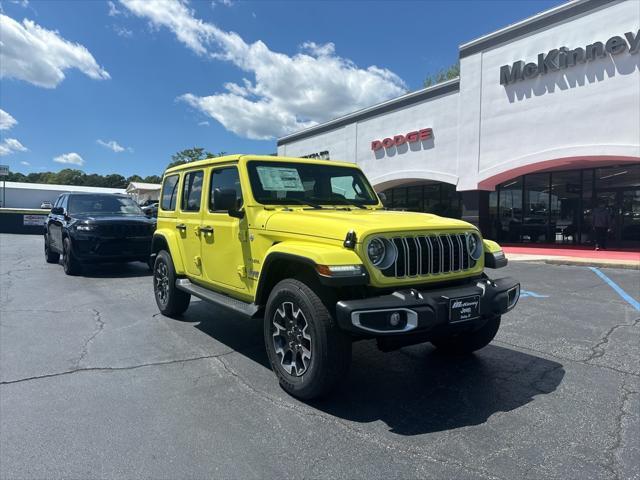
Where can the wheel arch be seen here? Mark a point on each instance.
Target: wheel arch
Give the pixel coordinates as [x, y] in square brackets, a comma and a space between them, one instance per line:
[163, 241]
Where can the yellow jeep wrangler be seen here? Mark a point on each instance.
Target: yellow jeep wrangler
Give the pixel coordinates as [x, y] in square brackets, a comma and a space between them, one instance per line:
[308, 246]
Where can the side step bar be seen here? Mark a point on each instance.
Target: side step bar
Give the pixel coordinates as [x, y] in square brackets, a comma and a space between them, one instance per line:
[249, 309]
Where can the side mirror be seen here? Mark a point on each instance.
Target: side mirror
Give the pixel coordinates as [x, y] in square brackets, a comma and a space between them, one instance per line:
[225, 199]
[57, 211]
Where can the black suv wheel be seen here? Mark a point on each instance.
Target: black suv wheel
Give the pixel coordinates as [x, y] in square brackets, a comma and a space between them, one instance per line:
[468, 342]
[308, 352]
[70, 263]
[50, 256]
[171, 301]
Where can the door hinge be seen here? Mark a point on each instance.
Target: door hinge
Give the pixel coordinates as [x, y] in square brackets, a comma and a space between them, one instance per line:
[242, 235]
[242, 271]
[198, 261]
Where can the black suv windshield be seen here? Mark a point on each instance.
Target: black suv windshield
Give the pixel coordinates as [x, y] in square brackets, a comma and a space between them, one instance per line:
[101, 204]
[279, 183]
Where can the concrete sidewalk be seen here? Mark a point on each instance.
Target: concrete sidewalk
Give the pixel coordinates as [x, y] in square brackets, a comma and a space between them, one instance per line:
[574, 256]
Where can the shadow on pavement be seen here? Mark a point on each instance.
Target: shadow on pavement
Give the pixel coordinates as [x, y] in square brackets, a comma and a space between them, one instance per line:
[414, 390]
[115, 270]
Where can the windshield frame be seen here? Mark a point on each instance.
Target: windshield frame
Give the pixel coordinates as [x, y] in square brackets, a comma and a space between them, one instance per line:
[254, 181]
[97, 196]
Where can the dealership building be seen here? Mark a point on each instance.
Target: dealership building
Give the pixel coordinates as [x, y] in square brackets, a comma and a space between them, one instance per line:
[542, 125]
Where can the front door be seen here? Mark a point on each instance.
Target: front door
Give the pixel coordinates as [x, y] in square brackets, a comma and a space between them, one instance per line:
[624, 207]
[188, 222]
[223, 241]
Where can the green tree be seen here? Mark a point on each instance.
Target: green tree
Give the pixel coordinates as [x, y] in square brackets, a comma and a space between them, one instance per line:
[153, 179]
[192, 155]
[443, 75]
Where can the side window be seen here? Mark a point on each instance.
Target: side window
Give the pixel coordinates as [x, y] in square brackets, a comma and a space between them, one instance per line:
[58, 201]
[192, 191]
[63, 202]
[225, 179]
[169, 194]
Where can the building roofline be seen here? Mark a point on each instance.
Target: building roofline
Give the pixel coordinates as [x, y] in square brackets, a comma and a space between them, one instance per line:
[541, 20]
[375, 110]
[62, 188]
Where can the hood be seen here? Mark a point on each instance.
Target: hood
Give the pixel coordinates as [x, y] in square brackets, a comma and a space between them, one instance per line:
[335, 224]
[100, 219]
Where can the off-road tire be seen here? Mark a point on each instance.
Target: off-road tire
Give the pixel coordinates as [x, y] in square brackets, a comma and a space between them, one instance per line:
[70, 263]
[330, 347]
[171, 301]
[50, 256]
[470, 341]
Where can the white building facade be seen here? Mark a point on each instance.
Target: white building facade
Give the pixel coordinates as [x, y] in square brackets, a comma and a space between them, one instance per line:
[542, 125]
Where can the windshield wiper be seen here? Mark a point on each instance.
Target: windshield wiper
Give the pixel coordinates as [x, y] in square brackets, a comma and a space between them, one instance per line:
[305, 202]
[345, 201]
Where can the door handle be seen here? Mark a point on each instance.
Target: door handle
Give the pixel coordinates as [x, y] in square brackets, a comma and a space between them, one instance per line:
[181, 226]
[206, 229]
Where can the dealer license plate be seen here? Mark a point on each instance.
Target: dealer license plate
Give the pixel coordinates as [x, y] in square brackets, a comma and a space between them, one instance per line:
[464, 308]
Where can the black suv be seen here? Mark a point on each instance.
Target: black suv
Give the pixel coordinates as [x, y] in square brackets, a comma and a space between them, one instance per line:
[96, 227]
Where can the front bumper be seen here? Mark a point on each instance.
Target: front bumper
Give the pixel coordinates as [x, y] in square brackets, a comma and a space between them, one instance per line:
[426, 311]
[110, 249]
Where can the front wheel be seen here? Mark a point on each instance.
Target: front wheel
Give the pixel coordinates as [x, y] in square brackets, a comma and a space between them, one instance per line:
[308, 353]
[70, 263]
[49, 255]
[171, 301]
[467, 342]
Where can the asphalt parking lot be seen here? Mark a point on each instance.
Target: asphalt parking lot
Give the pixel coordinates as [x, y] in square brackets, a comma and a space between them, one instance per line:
[96, 384]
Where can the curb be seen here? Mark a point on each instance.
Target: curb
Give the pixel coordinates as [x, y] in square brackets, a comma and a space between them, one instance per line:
[582, 262]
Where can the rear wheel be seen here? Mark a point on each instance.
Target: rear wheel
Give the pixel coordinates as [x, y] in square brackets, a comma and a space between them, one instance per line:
[49, 255]
[308, 353]
[468, 342]
[171, 301]
[70, 263]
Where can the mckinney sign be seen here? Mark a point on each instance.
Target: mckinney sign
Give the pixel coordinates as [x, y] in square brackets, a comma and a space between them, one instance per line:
[561, 58]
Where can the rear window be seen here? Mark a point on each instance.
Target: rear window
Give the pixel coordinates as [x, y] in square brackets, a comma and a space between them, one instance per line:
[169, 195]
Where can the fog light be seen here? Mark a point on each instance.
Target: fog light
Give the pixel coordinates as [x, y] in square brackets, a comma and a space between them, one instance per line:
[395, 319]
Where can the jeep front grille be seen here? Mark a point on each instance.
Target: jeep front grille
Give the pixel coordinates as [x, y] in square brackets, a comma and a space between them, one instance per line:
[423, 255]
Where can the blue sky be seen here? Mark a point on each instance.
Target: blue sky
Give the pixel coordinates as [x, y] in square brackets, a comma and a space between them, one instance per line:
[117, 87]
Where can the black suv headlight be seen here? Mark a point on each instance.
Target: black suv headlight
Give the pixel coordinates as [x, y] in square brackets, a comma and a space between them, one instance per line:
[474, 245]
[84, 227]
[381, 252]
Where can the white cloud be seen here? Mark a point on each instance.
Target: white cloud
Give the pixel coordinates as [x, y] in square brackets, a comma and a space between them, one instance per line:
[26, 164]
[22, 3]
[113, 145]
[203, 124]
[113, 10]
[11, 145]
[288, 93]
[6, 120]
[34, 54]
[70, 158]
[122, 31]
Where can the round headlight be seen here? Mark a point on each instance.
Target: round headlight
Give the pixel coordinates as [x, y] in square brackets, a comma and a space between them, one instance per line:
[381, 252]
[474, 245]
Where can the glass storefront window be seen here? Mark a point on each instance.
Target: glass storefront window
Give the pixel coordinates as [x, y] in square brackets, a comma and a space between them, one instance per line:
[565, 206]
[535, 221]
[510, 211]
[414, 199]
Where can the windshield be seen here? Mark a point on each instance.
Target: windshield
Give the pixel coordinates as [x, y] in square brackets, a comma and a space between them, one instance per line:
[278, 183]
[103, 205]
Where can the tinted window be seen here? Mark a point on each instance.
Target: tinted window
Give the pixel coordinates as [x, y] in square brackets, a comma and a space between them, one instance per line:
[169, 193]
[102, 205]
[192, 191]
[225, 179]
[58, 202]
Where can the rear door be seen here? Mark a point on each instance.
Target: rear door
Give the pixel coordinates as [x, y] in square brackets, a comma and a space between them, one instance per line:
[189, 220]
[223, 245]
